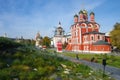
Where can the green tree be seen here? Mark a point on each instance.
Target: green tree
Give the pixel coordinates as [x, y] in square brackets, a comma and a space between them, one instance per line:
[115, 35]
[65, 45]
[7, 44]
[46, 41]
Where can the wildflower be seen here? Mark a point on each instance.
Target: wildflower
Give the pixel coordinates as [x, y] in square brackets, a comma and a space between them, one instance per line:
[64, 66]
[109, 77]
[66, 72]
[35, 69]
[89, 73]
[67, 69]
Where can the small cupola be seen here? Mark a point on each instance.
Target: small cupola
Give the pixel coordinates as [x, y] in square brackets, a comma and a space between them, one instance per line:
[75, 18]
[92, 17]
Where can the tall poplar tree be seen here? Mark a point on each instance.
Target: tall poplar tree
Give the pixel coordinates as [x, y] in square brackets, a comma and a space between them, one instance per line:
[46, 41]
[115, 35]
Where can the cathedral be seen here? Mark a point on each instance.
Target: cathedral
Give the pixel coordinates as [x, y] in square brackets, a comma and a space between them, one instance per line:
[85, 35]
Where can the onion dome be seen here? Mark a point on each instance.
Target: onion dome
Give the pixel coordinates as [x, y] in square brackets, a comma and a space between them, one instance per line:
[81, 12]
[84, 12]
[92, 13]
[75, 15]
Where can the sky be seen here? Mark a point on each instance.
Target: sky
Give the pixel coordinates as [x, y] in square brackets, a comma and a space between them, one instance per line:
[27, 17]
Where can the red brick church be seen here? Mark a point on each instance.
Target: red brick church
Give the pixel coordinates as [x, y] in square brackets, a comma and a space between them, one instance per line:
[85, 35]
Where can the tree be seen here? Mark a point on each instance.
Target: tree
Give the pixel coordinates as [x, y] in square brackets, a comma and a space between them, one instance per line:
[115, 35]
[46, 41]
[6, 44]
[65, 45]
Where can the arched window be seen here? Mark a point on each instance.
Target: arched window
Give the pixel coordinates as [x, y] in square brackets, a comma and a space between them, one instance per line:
[98, 37]
[92, 38]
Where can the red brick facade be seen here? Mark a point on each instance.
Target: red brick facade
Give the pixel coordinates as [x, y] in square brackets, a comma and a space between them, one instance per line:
[85, 35]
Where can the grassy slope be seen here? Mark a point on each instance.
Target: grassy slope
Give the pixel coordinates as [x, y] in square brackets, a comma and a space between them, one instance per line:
[111, 59]
[28, 63]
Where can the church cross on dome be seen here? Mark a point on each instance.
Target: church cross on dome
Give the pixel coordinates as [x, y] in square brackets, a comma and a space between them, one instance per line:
[59, 23]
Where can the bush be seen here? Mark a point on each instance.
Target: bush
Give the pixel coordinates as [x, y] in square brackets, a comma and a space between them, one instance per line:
[7, 45]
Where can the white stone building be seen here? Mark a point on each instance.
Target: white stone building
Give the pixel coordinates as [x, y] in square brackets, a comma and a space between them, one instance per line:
[38, 40]
[58, 36]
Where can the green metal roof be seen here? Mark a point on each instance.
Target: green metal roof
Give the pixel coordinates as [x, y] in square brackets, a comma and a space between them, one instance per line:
[94, 32]
[101, 42]
[81, 12]
[92, 13]
[75, 15]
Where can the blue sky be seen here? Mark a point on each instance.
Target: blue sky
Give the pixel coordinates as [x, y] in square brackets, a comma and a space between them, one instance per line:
[27, 17]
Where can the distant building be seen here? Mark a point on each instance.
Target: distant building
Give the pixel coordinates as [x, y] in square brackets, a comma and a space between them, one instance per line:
[58, 36]
[5, 35]
[38, 40]
[85, 35]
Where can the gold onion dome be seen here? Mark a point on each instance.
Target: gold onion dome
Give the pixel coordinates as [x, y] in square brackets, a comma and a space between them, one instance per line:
[84, 12]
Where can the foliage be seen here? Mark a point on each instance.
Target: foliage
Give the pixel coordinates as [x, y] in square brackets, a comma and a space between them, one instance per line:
[46, 41]
[27, 42]
[7, 45]
[65, 45]
[115, 35]
[29, 63]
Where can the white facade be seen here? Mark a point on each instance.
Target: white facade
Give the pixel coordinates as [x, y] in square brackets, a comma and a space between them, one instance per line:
[37, 39]
[57, 39]
[58, 36]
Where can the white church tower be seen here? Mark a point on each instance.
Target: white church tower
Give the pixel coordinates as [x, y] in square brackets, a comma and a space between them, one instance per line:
[59, 35]
[38, 40]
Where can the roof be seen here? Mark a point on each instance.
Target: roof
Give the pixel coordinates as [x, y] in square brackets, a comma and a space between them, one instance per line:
[75, 15]
[59, 28]
[87, 22]
[94, 32]
[80, 12]
[92, 13]
[101, 42]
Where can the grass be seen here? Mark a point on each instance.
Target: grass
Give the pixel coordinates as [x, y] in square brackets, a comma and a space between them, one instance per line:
[28, 63]
[112, 60]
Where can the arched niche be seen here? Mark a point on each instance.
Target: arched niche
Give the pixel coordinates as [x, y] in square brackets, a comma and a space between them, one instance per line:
[96, 26]
[90, 25]
[84, 25]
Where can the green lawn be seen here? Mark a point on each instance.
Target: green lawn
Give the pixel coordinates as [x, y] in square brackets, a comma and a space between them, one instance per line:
[31, 64]
[111, 59]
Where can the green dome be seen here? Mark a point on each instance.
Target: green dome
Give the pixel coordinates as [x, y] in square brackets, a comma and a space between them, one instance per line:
[81, 12]
[75, 15]
[92, 13]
